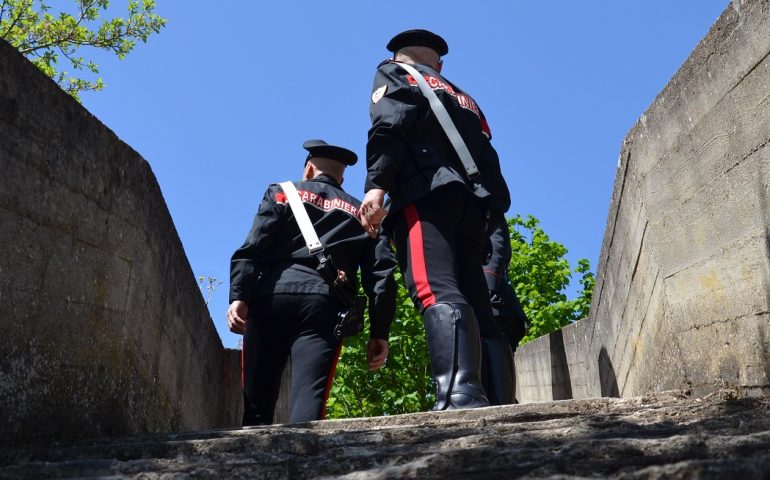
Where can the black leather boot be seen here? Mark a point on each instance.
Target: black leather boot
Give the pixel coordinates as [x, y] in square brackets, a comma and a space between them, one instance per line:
[497, 372]
[452, 333]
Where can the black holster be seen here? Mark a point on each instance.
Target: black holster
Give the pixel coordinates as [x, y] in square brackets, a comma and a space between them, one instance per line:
[350, 320]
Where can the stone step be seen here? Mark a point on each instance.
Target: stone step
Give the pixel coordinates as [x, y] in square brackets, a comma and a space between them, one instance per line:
[664, 435]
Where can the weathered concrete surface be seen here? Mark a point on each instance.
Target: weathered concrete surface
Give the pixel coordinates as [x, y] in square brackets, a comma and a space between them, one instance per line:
[664, 435]
[104, 330]
[552, 367]
[682, 295]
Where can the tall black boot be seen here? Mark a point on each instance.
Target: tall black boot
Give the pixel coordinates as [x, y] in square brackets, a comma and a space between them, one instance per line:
[452, 333]
[497, 372]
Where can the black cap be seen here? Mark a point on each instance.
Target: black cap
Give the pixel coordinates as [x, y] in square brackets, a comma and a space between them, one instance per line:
[421, 38]
[319, 148]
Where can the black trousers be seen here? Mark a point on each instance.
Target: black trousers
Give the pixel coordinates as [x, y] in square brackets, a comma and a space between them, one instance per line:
[283, 325]
[439, 243]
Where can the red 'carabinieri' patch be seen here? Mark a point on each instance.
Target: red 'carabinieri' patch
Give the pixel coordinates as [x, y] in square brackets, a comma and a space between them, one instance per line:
[318, 201]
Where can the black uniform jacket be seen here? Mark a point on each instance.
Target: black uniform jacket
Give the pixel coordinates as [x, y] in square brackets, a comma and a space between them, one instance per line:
[408, 154]
[275, 259]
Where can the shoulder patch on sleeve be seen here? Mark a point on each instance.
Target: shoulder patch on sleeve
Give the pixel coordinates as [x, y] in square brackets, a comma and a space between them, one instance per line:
[379, 93]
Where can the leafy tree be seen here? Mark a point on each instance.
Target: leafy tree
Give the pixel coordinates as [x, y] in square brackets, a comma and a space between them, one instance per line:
[44, 37]
[539, 273]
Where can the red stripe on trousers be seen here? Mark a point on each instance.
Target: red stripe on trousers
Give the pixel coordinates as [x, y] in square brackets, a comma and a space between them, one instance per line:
[417, 253]
[330, 379]
[243, 366]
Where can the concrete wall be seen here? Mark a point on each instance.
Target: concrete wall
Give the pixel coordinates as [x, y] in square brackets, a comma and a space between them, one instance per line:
[554, 367]
[103, 328]
[682, 295]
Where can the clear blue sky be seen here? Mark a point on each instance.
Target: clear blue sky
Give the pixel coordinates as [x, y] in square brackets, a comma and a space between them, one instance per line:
[220, 102]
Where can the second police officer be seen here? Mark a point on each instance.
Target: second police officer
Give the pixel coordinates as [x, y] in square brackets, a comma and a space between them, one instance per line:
[498, 370]
[285, 308]
[439, 214]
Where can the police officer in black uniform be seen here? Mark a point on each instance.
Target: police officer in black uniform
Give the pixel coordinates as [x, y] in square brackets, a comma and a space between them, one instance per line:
[498, 370]
[438, 214]
[285, 308]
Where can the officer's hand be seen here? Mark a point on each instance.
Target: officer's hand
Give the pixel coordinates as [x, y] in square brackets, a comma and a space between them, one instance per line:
[371, 212]
[237, 315]
[376, 353]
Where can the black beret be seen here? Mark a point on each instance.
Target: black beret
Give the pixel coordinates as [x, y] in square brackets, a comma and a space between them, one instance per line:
[421, 38]
[319, 148]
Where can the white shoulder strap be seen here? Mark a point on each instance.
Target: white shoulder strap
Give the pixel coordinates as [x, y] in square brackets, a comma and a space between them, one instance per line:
[305, 225]
[445, 120]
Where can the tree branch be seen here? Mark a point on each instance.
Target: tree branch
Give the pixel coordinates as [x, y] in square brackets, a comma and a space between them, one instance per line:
[66, 55]
[44, 37]
[106, 43]
[69, 38]
[15, 20]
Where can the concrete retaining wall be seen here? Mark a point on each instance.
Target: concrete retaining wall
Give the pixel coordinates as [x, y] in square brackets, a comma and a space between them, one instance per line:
[682, 295]
[103, 328]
